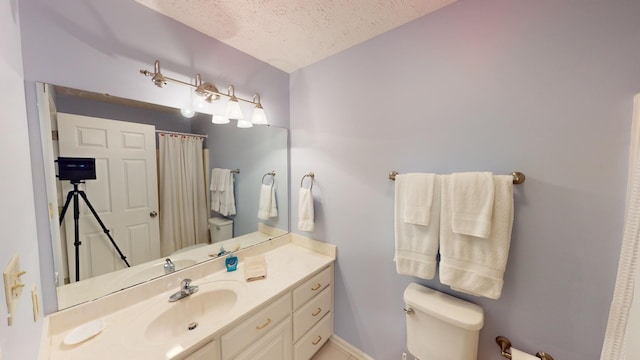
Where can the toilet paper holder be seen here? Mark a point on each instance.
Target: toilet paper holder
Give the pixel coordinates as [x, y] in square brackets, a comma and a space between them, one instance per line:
[505, 345]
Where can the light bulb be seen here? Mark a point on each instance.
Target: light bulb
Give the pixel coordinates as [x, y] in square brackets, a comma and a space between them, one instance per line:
[244, 124]
[219, 119]
[259, 117]
[233, 109]
[187, 112]
[199, 104]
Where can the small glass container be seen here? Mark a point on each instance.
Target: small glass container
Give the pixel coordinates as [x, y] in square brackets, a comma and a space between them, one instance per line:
[231, 262]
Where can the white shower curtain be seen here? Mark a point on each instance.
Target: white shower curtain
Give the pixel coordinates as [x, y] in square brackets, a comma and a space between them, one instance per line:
[183, 207]
[621, 324]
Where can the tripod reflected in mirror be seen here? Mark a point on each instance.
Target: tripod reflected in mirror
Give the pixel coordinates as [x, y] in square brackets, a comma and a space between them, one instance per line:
[76, 170]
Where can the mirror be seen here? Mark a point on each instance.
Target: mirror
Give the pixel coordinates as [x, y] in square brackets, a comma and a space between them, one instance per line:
[111, 250]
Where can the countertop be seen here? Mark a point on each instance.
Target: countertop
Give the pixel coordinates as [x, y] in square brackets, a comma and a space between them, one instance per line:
[288, 264]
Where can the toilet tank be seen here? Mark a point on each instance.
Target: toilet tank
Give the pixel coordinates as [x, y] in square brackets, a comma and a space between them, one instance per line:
[440, 326]
[220, 229]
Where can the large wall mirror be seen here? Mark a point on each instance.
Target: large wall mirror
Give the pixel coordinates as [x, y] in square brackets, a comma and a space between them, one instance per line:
[152, 164]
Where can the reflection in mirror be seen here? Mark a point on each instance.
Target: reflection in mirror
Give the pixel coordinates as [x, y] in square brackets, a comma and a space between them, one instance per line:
[149, 208]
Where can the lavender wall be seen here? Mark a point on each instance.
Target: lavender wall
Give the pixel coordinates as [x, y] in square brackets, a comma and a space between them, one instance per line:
[544, 87]
[101, 45]
[17, 220]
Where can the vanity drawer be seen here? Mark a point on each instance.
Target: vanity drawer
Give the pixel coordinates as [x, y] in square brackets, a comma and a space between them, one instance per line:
[310, 313]
[314, 339]
[256, 326]
[312, 287]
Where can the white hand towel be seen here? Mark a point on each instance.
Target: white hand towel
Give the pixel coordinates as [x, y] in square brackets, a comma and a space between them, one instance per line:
[472, 203]
[416, 245]
[417, 198]
[255, 268]
[214, 179]
[267, 202]
[306, 220]
[227, 198]
[215, 193]
[471, 264]
[273, 211]
[521, 355]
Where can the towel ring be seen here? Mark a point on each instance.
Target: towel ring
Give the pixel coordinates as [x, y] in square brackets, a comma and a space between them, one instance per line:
[310, 175]
[273, 177]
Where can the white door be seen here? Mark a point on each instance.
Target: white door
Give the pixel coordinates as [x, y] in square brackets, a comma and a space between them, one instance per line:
[124, 195]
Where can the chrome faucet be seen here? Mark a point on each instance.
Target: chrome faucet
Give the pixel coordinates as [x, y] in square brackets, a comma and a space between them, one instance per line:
[186, 289]
[169, 267]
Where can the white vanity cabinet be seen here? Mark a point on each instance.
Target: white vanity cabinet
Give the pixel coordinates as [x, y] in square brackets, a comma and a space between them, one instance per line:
[287, 316]
[209, 351]
[294, 326]
[313, 314]
[250, 339]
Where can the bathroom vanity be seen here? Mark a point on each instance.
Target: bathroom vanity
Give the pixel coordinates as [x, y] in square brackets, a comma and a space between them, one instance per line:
[288, 315]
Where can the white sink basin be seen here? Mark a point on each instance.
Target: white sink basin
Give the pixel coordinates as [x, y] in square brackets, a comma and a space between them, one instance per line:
[213, 302]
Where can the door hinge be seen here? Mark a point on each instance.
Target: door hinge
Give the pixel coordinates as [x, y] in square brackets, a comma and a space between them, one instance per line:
[54, 135]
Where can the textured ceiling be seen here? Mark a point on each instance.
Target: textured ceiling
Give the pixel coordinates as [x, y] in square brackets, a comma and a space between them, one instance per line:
[291, 34]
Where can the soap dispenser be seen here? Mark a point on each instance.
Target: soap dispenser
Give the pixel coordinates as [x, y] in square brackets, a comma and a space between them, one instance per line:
[231, 261]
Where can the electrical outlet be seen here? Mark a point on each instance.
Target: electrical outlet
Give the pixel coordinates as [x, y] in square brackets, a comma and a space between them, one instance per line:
[12, 286]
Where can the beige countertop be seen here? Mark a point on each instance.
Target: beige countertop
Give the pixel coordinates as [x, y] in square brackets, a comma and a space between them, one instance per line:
[289, 259]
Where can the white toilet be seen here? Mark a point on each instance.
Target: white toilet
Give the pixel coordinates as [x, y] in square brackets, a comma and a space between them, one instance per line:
[220, 229]
[440, 326]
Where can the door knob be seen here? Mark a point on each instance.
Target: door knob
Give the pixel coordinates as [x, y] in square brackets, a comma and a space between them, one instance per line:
[153, 214]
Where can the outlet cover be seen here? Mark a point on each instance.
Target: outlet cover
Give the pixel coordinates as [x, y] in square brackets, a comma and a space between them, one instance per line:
[12, 286]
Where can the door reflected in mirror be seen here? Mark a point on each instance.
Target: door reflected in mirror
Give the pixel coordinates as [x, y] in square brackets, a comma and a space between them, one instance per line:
[168, 191]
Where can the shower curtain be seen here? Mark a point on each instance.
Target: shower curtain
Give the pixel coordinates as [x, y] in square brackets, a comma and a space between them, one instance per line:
[624, 313]
[183, 208]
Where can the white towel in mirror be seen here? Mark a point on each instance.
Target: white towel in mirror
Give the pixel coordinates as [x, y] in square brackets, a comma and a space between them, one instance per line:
[267, 203]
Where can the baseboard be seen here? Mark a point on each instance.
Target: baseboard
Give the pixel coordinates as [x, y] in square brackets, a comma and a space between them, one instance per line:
[357, 353]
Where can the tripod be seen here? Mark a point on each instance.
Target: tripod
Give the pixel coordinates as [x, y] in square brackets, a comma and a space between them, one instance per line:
[76, 228]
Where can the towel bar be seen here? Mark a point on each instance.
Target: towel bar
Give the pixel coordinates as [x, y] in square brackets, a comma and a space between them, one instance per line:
[505, 345]
[518, 177]
[236, 171]
[272, 174]
[310, 175]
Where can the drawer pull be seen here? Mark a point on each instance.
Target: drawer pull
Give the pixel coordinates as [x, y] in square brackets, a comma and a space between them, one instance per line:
[315, 313]
[316, 287]
[260, 327]
[317, 340]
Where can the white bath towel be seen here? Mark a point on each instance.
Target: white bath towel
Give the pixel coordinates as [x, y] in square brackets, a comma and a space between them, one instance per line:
[306, 221]
[416, 245]
[215, 194]
[222, 193]
[472, 203]
[267, 203]
[227, 197]
[471, 264]
[417, 197]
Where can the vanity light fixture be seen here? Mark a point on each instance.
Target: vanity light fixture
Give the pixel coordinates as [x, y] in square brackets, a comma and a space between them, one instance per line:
[158, 79]
[244, 124]
[233, 107]
[258, 117]
[219, 119]
[209, 93]
[187, 111]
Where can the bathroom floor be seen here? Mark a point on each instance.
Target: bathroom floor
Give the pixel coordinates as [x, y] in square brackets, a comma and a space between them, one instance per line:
[331, 351]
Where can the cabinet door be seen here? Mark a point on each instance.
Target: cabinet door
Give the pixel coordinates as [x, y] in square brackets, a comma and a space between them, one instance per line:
[209, 351]
[275, 345]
